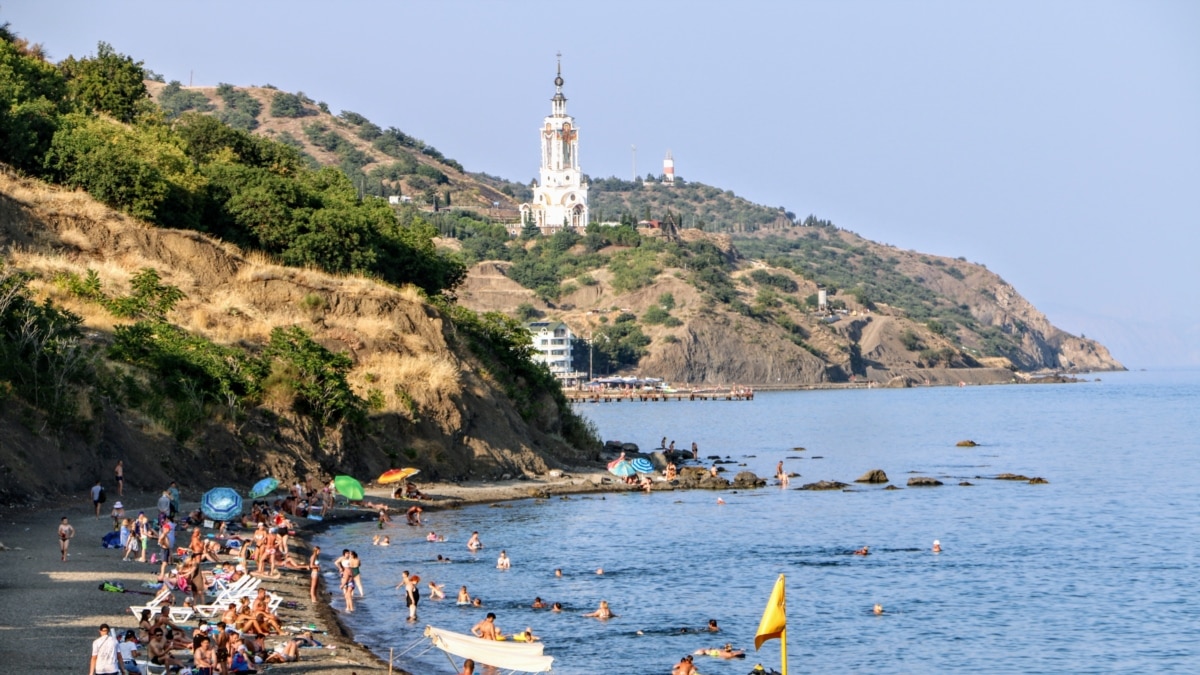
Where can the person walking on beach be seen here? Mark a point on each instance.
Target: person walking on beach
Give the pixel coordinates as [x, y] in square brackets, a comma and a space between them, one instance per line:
[164, 506]
[97, 496]
[314, 564]
[119, 476]
[106, 655]
[65, 533]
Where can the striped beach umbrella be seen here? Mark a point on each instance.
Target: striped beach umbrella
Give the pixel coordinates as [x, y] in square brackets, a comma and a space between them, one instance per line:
[221, 503]
[642, 465]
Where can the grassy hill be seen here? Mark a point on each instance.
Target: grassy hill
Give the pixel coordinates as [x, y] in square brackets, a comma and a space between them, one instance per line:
[692, 205]
[379, 162]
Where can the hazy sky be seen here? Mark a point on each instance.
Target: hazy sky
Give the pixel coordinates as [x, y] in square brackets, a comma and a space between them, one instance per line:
[1058, 143]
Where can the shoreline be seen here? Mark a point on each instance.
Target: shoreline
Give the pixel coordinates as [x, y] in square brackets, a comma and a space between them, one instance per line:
[41, 597]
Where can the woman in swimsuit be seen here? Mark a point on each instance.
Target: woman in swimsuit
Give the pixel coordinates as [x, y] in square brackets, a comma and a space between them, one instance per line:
[355, 573]
[412, 596]
[603, 612]
[65, 532]
[314, 564]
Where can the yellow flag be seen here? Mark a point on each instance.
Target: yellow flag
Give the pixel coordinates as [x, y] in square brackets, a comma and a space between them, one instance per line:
[774, 618]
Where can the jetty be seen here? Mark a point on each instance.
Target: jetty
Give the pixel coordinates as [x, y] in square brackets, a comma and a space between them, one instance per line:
[650, 395]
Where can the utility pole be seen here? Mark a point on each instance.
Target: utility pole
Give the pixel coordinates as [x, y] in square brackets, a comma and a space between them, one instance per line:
[590, 377]
[634, 147]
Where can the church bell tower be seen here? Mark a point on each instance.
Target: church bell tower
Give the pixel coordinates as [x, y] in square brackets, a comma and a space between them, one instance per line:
[560, 197]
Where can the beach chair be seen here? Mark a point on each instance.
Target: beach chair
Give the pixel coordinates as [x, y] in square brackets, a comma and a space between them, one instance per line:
[154, 605]
[231, 595]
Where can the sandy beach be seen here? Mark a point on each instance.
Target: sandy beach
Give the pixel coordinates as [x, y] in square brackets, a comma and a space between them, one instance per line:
[50, 610]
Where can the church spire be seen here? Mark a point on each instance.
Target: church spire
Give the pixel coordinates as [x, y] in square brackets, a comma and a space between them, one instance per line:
[558, 106]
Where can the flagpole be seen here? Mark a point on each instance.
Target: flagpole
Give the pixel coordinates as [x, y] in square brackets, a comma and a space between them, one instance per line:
[783, 651]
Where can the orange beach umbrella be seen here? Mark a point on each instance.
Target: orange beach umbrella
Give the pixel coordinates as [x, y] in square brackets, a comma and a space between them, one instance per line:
[397, 475]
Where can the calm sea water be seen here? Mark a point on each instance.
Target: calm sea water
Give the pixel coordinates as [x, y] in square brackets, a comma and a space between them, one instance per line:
[1093, 572]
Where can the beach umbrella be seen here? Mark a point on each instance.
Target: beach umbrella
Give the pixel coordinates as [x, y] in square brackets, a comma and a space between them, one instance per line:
[622, 468]
[263, 488]
[397, 475]
[348, 487]
[221, 503]
[642, 465]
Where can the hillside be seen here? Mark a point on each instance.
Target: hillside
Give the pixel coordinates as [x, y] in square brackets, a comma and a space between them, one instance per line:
[701, 313]
[434, 404]
[692, 205]
[381, 162]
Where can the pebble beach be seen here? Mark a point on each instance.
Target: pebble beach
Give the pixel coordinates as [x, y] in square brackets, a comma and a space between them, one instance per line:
[50, 610]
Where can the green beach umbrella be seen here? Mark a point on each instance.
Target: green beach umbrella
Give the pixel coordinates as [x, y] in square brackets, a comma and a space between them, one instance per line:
[348, 487]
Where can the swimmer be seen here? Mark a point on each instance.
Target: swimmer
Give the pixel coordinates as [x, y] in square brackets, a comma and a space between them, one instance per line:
[684, 667]
[503, 563]
[720, 501]
[558, 572]
[526, 636]
[602, 612]
[866, 550]
[538, 604]
[712, 626]
[878, 609]
[473, 543]
[727, 651]
[477, 602]
[464, 598]
[600, 570]
[556, 607]
[432, 536]
[440, 558]
[436, 591]
[937, 546]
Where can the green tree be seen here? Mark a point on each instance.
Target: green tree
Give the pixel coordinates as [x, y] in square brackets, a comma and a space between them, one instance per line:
[109, 82]
[32, 94]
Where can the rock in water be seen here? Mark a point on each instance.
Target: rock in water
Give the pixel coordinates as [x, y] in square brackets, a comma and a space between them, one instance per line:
[1037, 480]
[747, 479]
[872, 476]
[1011, 476]
[825, 485]
[923, 481]
[966, 444]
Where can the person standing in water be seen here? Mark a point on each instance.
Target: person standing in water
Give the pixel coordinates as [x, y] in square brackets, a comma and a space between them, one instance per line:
[937, 546]
[412, 595]
[473, 543]
[65, 533]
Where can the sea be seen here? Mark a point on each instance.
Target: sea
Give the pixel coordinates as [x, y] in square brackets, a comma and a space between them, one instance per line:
[1091, 572]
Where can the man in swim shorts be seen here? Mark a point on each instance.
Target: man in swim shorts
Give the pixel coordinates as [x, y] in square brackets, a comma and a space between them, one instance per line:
[487, 628]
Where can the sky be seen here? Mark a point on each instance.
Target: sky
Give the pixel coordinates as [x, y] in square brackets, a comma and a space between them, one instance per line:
[1055, 142]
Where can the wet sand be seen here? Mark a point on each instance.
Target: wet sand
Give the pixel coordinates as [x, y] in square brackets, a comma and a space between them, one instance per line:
[50, 610]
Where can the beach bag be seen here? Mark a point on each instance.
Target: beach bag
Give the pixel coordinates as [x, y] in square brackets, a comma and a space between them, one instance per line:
[103, 495]
[111, 540]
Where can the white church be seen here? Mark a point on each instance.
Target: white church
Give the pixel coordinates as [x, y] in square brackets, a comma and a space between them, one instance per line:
[560, 198]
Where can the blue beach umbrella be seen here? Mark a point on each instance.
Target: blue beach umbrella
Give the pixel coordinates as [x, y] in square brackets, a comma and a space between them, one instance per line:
[642, 465]
[263, 488]
[221, 503]
[621, 468]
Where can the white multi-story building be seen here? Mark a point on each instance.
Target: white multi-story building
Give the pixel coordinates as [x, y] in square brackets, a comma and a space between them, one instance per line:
[552, 346]
[560, 197]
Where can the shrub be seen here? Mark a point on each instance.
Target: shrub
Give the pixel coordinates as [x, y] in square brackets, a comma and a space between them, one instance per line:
[284, 104]
[655, 315]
